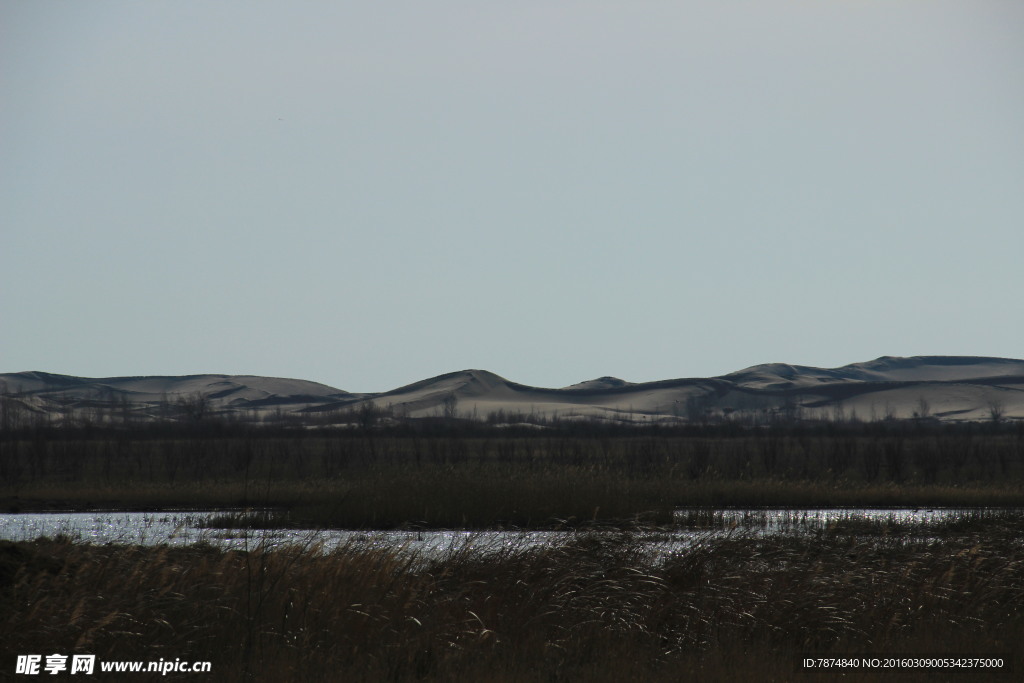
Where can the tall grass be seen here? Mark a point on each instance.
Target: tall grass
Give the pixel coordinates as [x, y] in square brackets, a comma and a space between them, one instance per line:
[594, 607]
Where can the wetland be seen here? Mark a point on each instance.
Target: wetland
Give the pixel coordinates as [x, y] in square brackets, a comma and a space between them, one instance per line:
[514, 557]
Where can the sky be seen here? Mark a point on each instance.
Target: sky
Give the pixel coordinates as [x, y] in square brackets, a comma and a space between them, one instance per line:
[368, 194]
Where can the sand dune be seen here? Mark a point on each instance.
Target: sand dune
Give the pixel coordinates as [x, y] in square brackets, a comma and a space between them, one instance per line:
[41, 392]
[948, 388]
[936, 387]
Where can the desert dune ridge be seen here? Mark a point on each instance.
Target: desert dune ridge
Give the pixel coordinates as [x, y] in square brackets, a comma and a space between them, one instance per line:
[936, 388]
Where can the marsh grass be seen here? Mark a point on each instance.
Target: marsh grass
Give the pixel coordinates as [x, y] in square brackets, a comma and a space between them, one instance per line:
[858, 522]
[593, 606]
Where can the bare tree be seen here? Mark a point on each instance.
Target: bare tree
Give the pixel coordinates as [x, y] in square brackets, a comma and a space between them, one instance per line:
[792, 409]
[924, 409]
[368, 414]
[451, 402]
[12, 410]
[996, 410]
[196, 405]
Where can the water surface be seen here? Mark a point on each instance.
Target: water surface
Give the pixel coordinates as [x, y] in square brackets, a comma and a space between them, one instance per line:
[189, 527]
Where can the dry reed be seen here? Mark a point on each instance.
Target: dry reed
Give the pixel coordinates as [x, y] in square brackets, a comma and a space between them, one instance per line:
[594, 606]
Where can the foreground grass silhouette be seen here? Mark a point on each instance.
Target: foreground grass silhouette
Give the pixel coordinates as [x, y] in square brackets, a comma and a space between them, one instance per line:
[591, 607]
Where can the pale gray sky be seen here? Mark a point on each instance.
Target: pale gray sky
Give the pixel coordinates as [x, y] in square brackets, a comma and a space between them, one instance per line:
[367, 194]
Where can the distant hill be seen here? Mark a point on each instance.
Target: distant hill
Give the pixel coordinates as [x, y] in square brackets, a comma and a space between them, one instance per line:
[936, 388]
[110, 399]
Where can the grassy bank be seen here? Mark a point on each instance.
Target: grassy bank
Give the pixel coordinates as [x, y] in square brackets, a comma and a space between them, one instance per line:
[594, 607]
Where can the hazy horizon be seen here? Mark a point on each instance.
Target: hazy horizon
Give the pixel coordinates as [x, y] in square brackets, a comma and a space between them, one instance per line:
[367, 196]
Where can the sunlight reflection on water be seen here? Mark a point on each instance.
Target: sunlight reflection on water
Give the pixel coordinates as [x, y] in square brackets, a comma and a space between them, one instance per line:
[186, 528]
